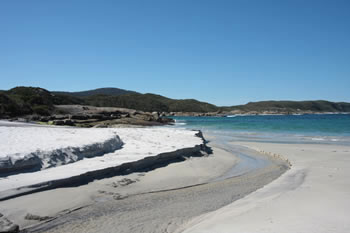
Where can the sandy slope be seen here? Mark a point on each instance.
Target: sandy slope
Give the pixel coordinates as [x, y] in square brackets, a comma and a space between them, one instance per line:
[312, 197]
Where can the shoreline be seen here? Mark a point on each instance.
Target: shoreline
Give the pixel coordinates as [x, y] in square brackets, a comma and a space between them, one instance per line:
[240, 182]
[313, 195]
[166, 188]
[251, 113]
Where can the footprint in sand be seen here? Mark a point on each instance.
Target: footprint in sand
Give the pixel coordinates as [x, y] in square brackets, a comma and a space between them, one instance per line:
[123, 182]
[115, 196]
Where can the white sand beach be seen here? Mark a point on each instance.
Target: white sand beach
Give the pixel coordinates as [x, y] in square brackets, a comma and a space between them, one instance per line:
[240, 187]
[313, 196]
[161, 194]
[175, 116]
[129, 144]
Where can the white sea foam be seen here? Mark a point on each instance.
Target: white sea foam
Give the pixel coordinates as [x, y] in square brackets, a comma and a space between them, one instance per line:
[317, 139]
[180, 122]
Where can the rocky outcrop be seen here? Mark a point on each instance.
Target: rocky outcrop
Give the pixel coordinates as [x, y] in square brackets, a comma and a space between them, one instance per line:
[89, 116]
[194, 114]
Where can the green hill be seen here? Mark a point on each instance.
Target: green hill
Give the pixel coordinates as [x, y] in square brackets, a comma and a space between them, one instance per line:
[150, 103]
[100, 91]
[26, 100]
[34, 100]
[292, 106]
[20, 101]
[115, 97]
[9, 107]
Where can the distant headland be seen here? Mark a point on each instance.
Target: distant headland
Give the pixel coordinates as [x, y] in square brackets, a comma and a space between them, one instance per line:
[40, 104]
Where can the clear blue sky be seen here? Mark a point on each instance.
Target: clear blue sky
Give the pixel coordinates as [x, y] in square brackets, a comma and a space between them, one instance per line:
[223, 52]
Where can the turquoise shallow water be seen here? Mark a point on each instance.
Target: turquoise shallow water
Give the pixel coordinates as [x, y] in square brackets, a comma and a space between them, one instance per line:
[320, 128]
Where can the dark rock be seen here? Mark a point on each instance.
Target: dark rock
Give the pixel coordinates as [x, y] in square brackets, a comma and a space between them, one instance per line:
[96, 116]
[115, 116]
[68, 122]
[63, 122]
[4, 116]
[34, 118]
[44, 119]
[165, 120]
[58, 122]
[79, 117]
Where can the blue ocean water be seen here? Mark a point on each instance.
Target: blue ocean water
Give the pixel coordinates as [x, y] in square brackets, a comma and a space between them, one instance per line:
[292, 128]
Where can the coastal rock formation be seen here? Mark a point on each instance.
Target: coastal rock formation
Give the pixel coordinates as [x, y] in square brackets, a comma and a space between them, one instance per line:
[89, 116]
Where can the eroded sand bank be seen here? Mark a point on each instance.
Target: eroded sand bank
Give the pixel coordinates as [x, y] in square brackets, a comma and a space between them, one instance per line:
[160, 200]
